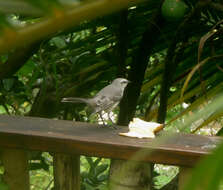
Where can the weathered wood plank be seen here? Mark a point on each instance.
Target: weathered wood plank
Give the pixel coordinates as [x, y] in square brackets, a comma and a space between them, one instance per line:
[88, 139]
[16, 172]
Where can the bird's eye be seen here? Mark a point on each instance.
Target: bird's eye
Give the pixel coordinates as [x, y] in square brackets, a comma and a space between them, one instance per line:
[125, 82]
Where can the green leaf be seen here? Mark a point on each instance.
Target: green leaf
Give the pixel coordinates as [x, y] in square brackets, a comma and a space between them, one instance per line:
[101, 168]
[102, 178]
[89, 160]
[3, 186]
[209, 170]
[27, 69]
[59, 42]
[8, 83]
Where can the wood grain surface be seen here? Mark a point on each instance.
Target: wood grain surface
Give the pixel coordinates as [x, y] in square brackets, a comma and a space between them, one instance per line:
[78, 138]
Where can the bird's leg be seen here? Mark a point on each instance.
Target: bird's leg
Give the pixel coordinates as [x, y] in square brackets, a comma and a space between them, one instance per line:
[102, 119]
[104, 124]
[109, 117]
[113, 123]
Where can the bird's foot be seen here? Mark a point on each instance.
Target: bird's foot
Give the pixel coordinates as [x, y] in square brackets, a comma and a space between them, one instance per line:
[112, 126]
[108, 125]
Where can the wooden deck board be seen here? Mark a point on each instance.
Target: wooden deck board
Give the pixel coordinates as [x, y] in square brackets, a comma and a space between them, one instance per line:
[90, 140]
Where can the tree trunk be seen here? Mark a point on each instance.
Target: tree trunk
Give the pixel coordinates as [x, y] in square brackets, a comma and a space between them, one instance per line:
[131, 175]
[66, 172]
[17, 59]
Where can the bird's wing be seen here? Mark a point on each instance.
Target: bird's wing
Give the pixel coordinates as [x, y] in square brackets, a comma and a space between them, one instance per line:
[105, 103]
[110, 91]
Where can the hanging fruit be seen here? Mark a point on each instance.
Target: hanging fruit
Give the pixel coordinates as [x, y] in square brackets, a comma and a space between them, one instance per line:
[174, 10]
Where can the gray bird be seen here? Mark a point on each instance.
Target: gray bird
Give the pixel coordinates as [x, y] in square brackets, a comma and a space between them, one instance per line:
[106, 99]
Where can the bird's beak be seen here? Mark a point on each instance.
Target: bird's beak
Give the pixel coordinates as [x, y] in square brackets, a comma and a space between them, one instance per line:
[63, 100]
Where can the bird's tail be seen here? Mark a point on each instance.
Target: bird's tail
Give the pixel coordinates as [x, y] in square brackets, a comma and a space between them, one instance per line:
[75, 100]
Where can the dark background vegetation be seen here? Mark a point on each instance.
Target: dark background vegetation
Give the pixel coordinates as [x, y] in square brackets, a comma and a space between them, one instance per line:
[174, 64]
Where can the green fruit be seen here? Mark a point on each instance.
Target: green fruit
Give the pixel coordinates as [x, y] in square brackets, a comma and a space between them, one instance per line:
[174, 10]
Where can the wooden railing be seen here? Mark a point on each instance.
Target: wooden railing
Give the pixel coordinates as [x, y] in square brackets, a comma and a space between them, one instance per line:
[68, 140]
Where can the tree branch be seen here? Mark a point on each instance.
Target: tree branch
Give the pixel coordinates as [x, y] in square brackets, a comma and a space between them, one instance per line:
[16, 60]
[138, 67]
[62, 19]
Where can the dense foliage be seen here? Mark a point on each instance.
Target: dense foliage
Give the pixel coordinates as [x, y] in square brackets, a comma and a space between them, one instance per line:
[54, 49]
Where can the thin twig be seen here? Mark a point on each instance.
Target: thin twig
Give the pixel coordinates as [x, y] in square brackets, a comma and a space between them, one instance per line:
[195, 69]
[219, 67]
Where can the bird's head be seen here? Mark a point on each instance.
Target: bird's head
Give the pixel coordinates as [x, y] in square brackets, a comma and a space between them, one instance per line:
[122, 82]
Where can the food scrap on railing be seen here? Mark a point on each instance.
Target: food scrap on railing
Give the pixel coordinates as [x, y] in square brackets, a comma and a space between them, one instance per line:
[142, 129]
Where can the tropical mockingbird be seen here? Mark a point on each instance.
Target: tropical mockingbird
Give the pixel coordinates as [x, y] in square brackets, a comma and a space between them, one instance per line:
[105, 100]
